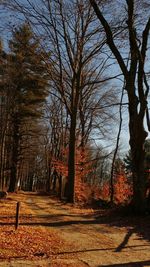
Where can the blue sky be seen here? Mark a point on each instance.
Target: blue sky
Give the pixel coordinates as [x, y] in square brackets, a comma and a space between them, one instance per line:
[8, 21]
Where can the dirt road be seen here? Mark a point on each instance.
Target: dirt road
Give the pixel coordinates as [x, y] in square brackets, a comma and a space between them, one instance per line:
[93, 240]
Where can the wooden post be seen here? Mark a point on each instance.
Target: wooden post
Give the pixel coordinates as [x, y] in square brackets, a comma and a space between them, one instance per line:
[17, 215]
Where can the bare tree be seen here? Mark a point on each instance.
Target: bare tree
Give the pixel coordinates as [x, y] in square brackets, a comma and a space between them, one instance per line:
[77, 73]
[137, 90]
[57, 139]
[77, 62]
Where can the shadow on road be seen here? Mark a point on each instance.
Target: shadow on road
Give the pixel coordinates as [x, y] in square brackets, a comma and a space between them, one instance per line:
[140, 227]
[98, 249]
[130, 264]
[66, 218]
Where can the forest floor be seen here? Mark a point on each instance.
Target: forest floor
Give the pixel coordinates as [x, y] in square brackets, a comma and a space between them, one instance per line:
[55, 234]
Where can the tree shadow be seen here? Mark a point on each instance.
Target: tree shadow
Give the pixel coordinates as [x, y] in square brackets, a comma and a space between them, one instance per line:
[125, 240]
[112, 218]
[36, 205]
[135, 224]
[129, 264]
[138, 225]
[98, 249]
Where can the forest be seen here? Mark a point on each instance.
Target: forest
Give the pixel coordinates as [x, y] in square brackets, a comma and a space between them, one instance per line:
[74, 75]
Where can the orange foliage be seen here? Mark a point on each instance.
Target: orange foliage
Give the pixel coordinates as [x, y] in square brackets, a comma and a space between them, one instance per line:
[61, 165]
[83, 191]
[105, 192]
[122, 188]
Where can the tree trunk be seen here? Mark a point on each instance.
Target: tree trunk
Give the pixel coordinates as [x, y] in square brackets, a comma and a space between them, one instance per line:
[14, 160]
[2, 155]
[137, 140]
[71, 160]
[48, 184]
[60, 186]
[49, 176]
[55, 177]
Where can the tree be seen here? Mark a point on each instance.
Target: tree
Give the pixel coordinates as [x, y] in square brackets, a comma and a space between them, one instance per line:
[77, 75]
[122, 185]
[57, 141]
[128, 162]
[76, 71]
[5, 131]
[28, 83]
[2, 111]
[128, 158]
[137, 88]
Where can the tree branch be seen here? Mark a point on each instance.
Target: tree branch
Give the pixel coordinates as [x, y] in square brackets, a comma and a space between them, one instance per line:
[109, 35]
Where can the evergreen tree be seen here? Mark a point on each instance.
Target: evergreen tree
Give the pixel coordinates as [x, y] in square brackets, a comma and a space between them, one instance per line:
[128, 162]
[29, 82]
[128, 159]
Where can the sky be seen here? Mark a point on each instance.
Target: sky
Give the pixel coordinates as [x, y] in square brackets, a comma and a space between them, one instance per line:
[8, 21]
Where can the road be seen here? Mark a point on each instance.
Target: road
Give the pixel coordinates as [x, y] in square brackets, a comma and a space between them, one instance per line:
[93, 240]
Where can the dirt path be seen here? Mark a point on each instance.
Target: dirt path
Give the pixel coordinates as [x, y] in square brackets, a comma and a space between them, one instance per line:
[93, 241]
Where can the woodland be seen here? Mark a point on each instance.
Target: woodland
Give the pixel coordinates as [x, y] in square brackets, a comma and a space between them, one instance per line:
[72, 73]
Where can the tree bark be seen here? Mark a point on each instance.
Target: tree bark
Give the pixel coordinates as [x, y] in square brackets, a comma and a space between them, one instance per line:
[14, 161]
[71, 160]
[137, 139]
